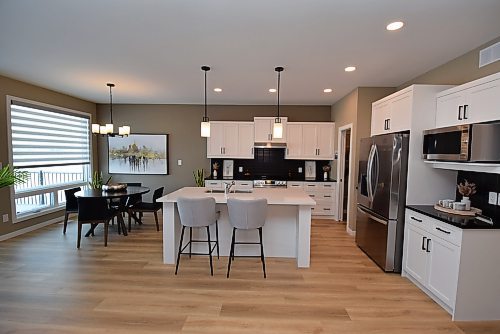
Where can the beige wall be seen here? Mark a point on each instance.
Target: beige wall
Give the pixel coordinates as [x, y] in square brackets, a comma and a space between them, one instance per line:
[356, 108]
[27, 91]
[457, 71]
[182, 123]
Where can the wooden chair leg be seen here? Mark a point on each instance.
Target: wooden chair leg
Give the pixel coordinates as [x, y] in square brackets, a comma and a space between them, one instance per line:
[210, 251]
[180, 248]
[106, 226]
[262, 252]
[66, 215]
[231, 253]
[79, 235]
[156, 219]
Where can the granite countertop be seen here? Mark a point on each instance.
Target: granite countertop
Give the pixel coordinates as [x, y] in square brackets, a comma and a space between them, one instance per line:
[464, 222]
[274, 196]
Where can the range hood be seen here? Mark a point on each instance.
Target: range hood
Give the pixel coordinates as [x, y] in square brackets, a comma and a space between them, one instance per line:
[269, 145]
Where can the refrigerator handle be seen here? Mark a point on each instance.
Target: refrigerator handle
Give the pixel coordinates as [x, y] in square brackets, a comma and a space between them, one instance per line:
[369, 173]
[377, 170]
[378, 220]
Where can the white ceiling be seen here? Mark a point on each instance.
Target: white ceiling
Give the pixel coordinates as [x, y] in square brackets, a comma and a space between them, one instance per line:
[153, 49]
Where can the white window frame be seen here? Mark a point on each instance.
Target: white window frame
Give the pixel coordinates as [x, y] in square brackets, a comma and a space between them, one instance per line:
[13, 195]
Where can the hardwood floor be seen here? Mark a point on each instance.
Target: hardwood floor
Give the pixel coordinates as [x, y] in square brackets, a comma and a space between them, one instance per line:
[48, 286]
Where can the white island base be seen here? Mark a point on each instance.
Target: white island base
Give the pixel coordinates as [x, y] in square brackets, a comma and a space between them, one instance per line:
[287, 232]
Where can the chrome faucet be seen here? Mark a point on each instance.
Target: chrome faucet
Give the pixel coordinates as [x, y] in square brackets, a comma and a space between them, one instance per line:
[227, 187]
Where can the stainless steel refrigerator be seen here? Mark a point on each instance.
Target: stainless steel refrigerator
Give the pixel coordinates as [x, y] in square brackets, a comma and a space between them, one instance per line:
[383, 165]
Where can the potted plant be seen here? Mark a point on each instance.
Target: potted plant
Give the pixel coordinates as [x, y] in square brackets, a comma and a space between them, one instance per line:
[10, 176]
[466, 189]
[97, 181]
[199, 177]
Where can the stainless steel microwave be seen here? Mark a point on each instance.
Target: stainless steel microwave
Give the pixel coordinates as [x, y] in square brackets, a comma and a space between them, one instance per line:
[466, 143]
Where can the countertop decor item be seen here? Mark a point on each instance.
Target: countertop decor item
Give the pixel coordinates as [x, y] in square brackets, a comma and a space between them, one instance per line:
[326, 170]
[97, 181]
[466, 189]
[215, 167]
[114, 187]
[108, 129]
[11, 176]
[471, 212]
[199, 177]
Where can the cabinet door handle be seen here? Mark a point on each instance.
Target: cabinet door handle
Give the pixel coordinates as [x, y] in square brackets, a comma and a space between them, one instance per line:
[271, 136]
[423, 243]
[460, 112]
[385, 124]
[416, 219]
[444, 231]
[326, 209]
[388, 124]
[427, 247]
[319, 151]
[287, 152]
[465, 110]
[252, 150]
[221, 150]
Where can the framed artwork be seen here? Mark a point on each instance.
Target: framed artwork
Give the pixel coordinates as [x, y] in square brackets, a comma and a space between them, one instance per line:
[138, 154]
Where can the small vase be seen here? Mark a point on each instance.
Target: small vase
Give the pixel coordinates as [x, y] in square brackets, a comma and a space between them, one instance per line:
[215, 173]
[325, 176]
[466, 201]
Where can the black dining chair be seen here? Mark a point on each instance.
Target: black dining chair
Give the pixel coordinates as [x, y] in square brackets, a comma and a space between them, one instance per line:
[142, 207]
[124, 203]
[71, 205]
[92, 210]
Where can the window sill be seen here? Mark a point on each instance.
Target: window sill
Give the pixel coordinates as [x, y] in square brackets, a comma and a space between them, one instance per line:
[40, 213]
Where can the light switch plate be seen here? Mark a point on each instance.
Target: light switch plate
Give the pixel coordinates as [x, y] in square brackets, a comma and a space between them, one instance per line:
[179, 162]
[300, 169]
[5, 218]
[240, 169]
[492, 198]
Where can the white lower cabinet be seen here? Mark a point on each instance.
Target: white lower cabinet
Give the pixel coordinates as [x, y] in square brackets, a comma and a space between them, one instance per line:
[322, 192]
[220, 184]
[455, 267]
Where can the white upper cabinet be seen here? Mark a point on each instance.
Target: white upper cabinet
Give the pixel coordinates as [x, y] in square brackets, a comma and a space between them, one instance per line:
[474, 102]
[230, 140]
[311, 141]
[264, 130]
[392, 113]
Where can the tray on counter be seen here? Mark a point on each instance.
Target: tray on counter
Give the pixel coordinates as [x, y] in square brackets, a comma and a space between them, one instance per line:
[472, 212]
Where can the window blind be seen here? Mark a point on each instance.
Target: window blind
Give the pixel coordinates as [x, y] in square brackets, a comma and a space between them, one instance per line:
[48, 138]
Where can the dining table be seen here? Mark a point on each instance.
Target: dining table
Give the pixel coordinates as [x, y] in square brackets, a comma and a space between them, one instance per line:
[122, 195]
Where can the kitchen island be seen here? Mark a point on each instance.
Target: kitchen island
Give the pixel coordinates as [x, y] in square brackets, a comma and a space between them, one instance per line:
[287, 231]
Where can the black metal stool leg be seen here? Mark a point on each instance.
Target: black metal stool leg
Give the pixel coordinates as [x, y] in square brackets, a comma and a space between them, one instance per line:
[190, 240]
[210, 251]
[231, 253]
[180, 248]
[217, 237]
[262, 252]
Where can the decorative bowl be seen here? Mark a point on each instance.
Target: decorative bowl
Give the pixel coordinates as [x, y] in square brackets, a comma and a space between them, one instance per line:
[114, 187]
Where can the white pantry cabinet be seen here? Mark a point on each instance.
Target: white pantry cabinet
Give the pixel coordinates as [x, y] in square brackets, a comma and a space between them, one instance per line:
[310, 141]
[455, 267]
[230, 140]
[474, 102]
[264, 130]
[392, 113]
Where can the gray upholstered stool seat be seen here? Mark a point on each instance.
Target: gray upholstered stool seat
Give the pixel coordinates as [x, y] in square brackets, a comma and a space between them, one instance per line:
[197, 212]
[247, 215]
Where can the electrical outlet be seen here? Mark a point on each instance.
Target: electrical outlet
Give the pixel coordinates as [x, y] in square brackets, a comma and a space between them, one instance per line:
[492, 198]
[5, 218]
[300, 169]
[240, 169]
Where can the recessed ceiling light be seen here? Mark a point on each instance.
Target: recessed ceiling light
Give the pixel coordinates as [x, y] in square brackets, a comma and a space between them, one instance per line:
[327, 90]
[218, 90]
[395, 25]
[350, 68]
[272, 90]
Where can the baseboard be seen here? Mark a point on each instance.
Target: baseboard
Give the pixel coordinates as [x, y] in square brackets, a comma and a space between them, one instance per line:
[350, 232]
[30, 228]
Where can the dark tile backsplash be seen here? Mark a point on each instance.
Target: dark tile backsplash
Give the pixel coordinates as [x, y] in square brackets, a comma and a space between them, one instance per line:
[270, 163]
[485, 182]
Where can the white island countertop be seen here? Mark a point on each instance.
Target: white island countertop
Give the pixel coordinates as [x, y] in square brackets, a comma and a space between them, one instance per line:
[287, 232]
[274, 196]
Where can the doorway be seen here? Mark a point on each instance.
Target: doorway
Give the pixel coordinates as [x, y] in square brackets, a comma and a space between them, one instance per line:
[344, 172]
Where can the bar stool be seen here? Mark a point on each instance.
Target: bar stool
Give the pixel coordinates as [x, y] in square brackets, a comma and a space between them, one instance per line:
[197, 212]
[247, 215]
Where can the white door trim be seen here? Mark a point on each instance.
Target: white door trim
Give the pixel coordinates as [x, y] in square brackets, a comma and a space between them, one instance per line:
[340, 172]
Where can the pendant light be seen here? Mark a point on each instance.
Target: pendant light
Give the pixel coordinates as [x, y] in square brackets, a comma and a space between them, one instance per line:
[278, 126]
[205, 122]
[108, 129]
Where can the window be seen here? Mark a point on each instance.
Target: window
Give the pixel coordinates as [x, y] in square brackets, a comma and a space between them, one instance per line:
[53, 145]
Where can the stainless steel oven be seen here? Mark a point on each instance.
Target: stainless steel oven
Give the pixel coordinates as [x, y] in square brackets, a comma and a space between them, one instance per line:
[470, 142]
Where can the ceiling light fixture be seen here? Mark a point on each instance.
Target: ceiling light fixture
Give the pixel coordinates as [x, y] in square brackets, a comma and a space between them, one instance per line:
[350, 68]
[327, 90]
[218, 90]
[108, 129]
[395, 25]
[205, 122]
[272, 90]
[278, 126]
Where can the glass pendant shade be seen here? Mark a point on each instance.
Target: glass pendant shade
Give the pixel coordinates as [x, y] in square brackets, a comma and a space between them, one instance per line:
[109, 128]
[124, 130]
[278, 128]
[102, 130]
[205, 129]
[95, 128]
